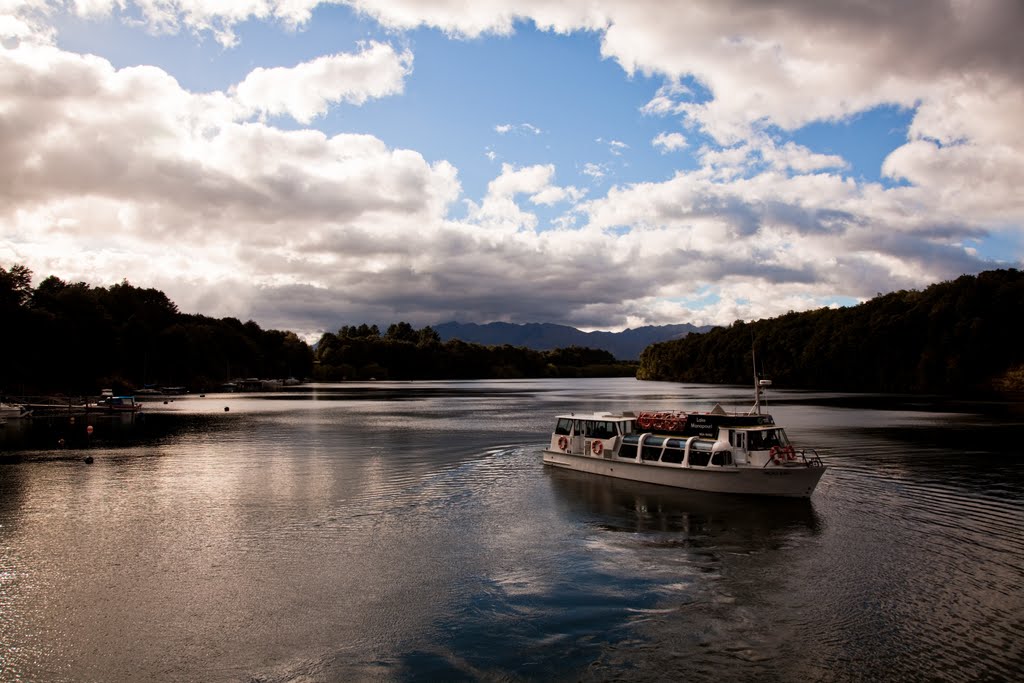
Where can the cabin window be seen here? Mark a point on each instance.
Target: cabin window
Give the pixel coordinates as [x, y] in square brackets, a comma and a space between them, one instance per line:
[699, 458]
[600, 429]
[674, 451]
[564, 426]
[652, 448]
[765, 439]
[700, 452]
[628, 448]
[738, 439]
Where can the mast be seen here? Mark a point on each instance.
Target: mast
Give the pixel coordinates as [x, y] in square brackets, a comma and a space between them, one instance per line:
[759, 386]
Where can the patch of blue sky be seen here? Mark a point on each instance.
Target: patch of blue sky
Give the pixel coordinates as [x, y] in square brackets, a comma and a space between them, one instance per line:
[582, 112]
[702, 298]
[1004, 248]
[199, 62]
[863, 140]
[838, 302]
[121, 41]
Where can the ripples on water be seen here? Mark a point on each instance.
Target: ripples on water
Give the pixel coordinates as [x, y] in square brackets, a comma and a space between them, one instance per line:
[401, 531]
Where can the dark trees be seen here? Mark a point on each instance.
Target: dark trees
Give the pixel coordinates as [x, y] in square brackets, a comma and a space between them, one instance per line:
[70, 337]
[404, 352]
[954, 336]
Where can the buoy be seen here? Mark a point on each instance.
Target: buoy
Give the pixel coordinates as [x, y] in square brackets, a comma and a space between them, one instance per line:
[226, 409]
[88, 459]
[88, 430]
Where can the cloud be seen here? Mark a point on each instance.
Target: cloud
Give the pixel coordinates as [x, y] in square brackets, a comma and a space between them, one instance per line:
[616, 147]
[499, 208]
[807, 234]
[669, 142]
[761, 152]
[306, 90]
[504, 128]
[594, 170]
[217, 17]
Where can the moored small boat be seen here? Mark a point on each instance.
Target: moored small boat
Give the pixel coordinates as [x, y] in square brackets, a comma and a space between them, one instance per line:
[13, 412]
[116, 404]
[715, 451]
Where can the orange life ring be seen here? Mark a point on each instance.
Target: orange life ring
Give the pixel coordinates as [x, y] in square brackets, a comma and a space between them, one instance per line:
[597, 447]
[644, 420]
[790, 452]
[775, 454]
[563, 442]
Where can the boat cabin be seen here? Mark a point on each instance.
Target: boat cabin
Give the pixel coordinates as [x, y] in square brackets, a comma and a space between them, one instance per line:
[714, 439]
[597, 426]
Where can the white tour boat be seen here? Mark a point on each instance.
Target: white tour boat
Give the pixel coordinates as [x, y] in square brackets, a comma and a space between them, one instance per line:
[716, 451]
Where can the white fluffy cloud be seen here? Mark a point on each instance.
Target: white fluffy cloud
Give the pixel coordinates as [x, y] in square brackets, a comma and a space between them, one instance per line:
[305, 91]
[500, 208]
[669, 142]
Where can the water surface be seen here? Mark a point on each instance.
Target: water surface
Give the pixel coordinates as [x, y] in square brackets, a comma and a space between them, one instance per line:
[408, 531]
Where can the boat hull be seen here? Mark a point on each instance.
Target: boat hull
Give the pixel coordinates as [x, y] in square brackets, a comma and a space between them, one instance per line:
[797, 481]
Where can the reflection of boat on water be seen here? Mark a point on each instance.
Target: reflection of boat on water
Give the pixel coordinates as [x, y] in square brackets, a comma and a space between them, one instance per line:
[715, 451]
[632, 506]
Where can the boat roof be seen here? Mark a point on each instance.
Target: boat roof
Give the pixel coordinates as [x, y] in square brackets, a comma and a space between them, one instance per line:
[622, 417]
[684, 423]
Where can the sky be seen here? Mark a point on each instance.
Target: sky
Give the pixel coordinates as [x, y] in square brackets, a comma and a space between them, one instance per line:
[595, 163]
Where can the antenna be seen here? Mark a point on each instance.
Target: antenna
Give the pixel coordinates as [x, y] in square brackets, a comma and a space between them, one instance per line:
[757, 388]
[760, 388]
[759, 385]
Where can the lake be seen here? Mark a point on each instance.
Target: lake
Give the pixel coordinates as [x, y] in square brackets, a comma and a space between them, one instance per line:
[409, 531]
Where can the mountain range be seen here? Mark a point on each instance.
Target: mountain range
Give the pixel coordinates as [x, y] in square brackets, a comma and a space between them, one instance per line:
[625, 345]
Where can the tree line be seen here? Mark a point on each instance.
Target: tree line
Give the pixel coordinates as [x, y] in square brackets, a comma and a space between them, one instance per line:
[406, 353]
[74, 338]
[62, 337]
[956, 336]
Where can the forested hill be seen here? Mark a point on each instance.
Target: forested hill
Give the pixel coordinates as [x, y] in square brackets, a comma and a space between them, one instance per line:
[953, 337]
[75, 338]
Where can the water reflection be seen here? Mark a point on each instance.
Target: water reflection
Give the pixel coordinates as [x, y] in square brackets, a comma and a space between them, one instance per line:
[65, 436]
[637, 507]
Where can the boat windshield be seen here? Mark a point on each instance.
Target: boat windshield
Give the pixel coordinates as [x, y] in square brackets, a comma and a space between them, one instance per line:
[597, 429]
[564, 426]
[764, 439]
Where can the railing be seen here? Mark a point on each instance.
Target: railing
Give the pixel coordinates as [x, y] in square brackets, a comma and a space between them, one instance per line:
[811, 457]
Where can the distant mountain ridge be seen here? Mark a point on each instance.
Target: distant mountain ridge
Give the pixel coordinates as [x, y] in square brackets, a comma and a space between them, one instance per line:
[625, 345]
